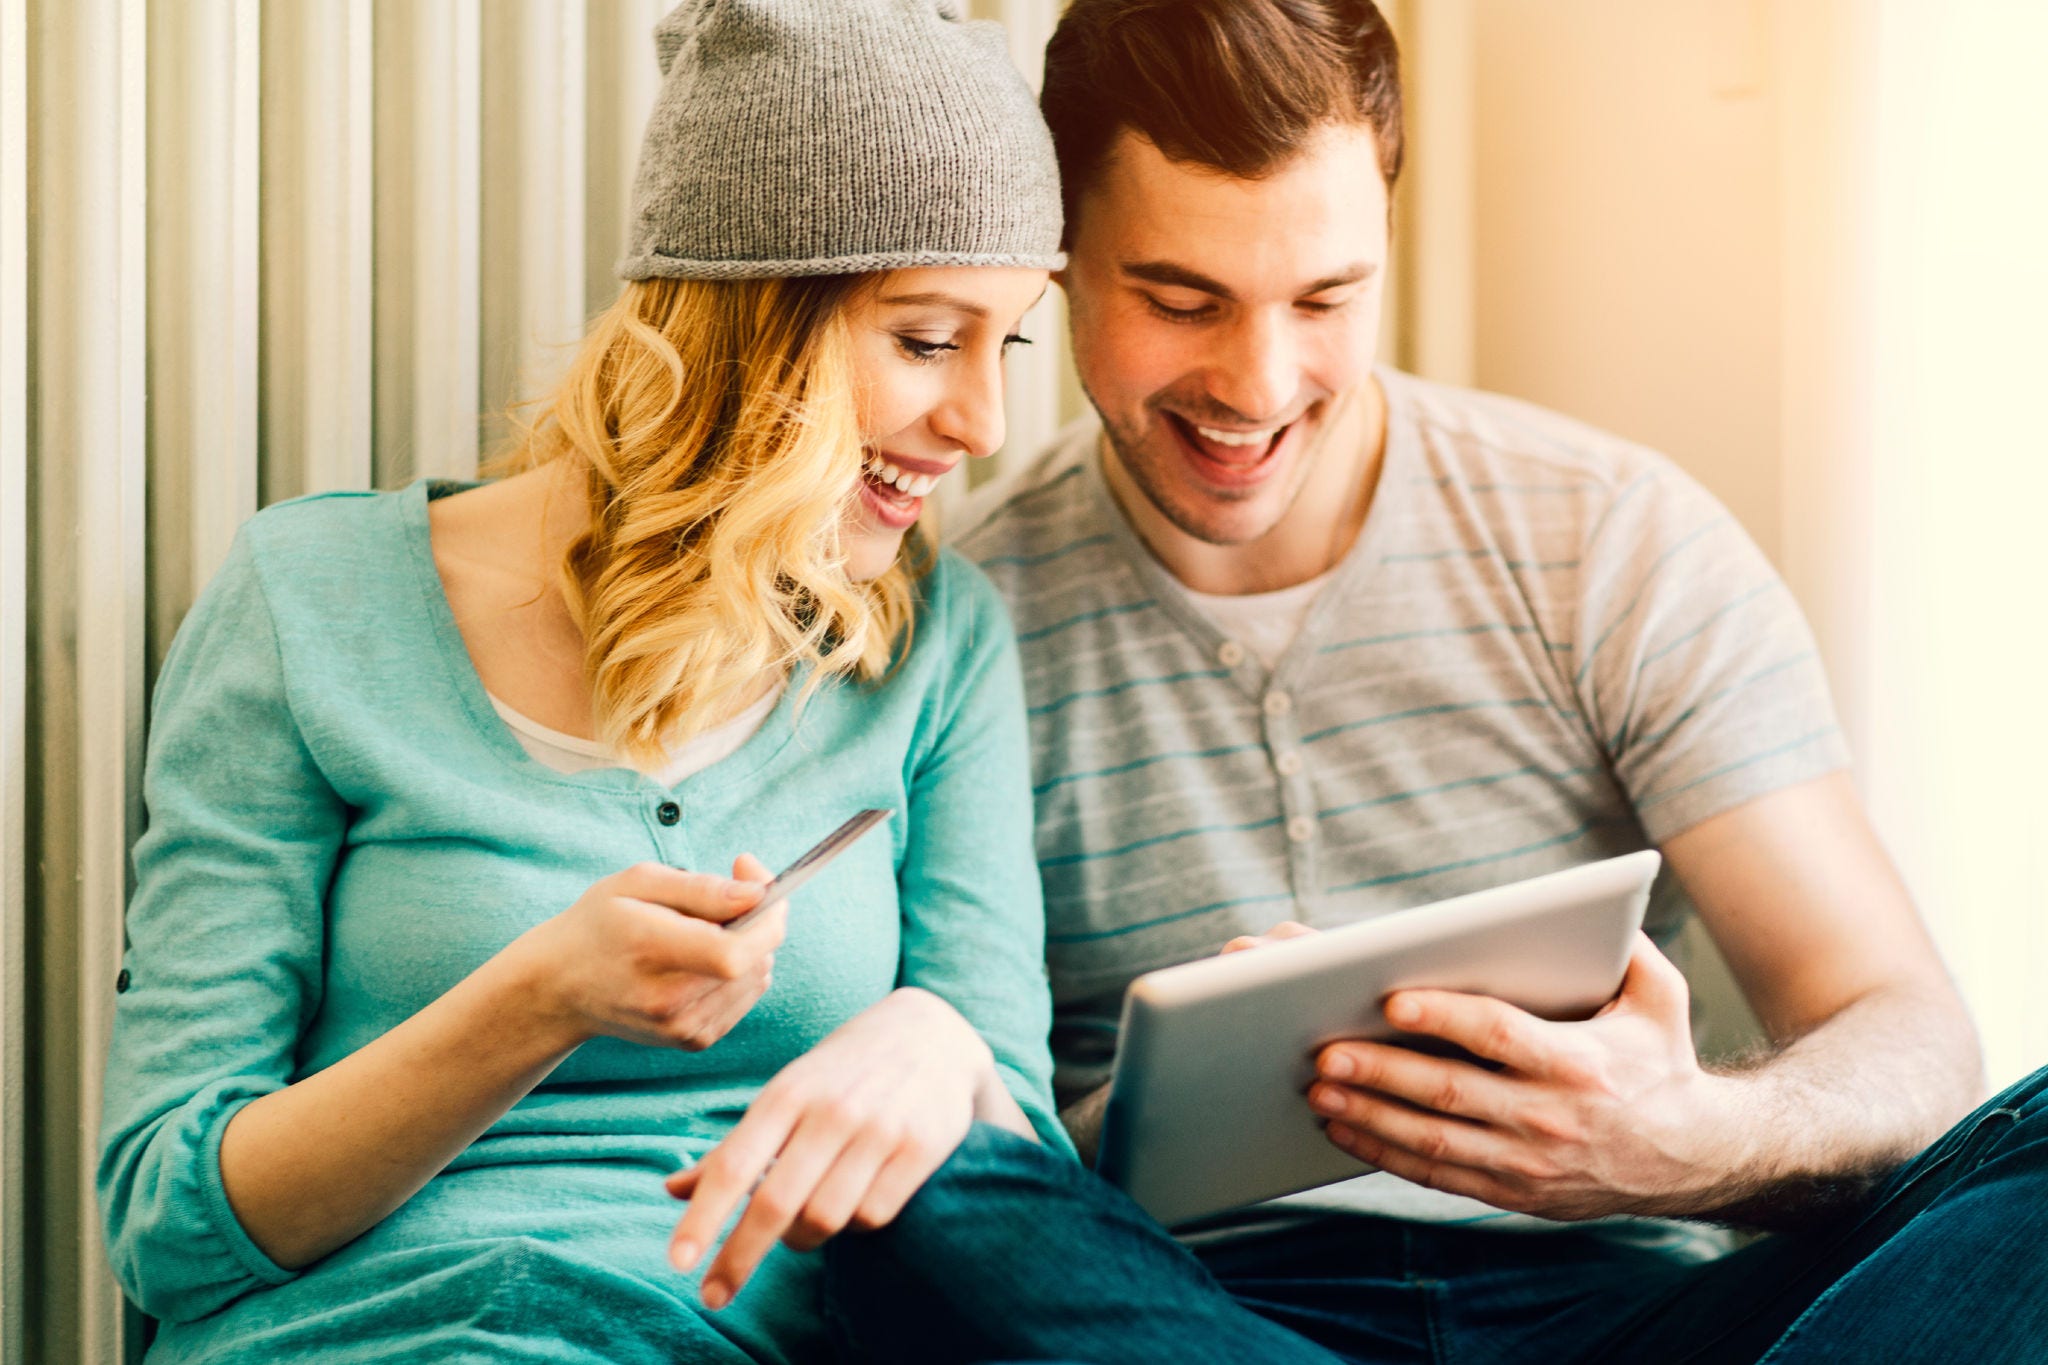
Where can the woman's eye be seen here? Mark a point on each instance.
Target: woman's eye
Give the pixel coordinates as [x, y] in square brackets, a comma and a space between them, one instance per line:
[1176, 314]
[923, 351]
[1015, 340]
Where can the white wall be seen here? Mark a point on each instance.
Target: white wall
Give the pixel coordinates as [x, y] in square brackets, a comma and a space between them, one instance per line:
[1797, 247]
[1627, 258]
[1917, 465]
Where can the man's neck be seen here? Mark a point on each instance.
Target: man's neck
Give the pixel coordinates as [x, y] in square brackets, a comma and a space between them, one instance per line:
[1311, 537]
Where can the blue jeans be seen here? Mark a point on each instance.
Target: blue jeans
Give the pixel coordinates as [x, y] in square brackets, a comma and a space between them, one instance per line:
[1010, 1253]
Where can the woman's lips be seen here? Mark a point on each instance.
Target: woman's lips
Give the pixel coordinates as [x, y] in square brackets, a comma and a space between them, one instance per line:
[895, 510]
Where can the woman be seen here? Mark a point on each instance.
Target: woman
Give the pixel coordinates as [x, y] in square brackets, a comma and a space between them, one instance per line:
[375, 1093]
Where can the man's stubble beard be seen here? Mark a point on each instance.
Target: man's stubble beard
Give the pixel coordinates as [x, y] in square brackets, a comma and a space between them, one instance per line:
[1150, 483]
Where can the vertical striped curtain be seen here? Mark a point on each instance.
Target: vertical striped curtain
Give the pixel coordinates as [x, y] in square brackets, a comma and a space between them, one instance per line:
[247, 251]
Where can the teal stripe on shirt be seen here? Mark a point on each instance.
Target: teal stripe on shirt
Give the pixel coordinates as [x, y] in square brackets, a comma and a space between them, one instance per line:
[1050, 707]
[1123, 929]
[1084, 618]
[1389, 879]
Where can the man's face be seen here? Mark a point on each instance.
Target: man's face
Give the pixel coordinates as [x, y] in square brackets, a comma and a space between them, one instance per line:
[1220, 324]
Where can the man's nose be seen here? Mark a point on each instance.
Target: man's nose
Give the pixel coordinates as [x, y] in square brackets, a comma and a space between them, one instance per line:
[1257, 372]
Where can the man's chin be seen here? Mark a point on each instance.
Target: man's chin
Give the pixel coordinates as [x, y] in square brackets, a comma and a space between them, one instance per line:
[1226, 523]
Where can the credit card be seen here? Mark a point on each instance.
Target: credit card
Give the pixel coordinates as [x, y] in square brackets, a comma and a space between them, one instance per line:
[813, 862]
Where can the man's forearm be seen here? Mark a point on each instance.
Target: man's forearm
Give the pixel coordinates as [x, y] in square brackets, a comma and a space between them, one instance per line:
[1816, 1123]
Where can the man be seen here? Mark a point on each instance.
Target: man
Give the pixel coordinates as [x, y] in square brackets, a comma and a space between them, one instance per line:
[1307, 640]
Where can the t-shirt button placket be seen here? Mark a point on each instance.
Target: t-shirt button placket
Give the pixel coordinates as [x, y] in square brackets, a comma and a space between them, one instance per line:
[1231, 654]
[669, 813]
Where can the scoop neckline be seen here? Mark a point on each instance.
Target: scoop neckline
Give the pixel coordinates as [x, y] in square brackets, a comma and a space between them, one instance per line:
[467, 688]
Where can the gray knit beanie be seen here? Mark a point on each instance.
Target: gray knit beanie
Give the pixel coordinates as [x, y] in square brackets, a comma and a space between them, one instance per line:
[824, 137]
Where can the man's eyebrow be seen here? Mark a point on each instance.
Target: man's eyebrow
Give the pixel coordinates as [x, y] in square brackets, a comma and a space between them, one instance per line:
[937, 298]
[1350, 274]
[1175, 277]
[1180, 277]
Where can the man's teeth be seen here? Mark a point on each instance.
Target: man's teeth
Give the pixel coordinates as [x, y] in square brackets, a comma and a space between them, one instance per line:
[1237, 438]
[906, 483]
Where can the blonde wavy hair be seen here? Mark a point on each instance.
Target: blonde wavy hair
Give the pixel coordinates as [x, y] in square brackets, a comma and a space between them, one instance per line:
[716, 427]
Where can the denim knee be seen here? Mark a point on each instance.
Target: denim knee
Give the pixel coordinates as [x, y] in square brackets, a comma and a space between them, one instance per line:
[991, 1171]
[2027, 1098]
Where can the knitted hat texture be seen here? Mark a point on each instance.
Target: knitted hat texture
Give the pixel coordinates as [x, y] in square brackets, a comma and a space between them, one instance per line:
[824, 137]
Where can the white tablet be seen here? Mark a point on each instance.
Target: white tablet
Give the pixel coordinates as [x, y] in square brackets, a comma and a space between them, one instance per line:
[1207, 1108]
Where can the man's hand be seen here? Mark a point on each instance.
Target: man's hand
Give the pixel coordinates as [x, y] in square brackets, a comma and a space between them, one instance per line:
[1286, 929]
[1609, 1115]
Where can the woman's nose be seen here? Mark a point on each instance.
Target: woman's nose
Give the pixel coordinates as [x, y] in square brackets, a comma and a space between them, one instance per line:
[972, 415]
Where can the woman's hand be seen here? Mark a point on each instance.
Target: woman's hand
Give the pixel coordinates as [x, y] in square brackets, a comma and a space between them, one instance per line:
[641, 956]
[842, 1137]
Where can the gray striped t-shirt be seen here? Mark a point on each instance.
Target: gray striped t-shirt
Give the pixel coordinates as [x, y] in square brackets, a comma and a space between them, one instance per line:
[1547, 646]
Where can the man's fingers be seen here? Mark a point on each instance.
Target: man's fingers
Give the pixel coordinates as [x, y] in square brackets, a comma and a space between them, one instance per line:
[1654, 985]
[696, 894]
[1428, 1135]
[1439, 1083]
[1434, 1175]
[748, 868]
[1285, 930]
[1481, 1025]
[775, 1204]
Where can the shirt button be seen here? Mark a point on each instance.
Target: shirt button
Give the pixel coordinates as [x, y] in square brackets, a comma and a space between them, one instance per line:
[1301, 829]
[1232, 654]
[668, 812]
[1278, 703]
[1288, 763]
[121, 982]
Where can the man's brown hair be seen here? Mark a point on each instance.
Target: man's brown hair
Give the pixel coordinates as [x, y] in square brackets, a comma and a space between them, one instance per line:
[1235, 85]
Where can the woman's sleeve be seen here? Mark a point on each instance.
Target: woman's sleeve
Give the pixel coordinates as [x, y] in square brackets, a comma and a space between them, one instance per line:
[225, 946]
[973, 917]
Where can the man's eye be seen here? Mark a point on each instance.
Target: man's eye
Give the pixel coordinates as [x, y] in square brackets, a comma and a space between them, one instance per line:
[1177, 314]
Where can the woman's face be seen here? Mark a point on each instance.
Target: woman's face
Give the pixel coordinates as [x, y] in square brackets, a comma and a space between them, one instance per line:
[928, 354]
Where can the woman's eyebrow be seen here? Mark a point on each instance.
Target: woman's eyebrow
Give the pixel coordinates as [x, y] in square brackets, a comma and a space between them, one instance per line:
[937, 298]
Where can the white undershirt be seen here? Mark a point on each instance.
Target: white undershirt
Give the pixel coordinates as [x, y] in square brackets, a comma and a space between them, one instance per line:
[568, 754]
[1263, 622]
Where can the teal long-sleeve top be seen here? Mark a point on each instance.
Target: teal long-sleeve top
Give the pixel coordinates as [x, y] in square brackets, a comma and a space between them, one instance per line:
[341, 828]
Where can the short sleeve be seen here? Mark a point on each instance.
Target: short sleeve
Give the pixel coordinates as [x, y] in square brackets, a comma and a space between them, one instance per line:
[1692, 661]
[973, 915]
[223, 967]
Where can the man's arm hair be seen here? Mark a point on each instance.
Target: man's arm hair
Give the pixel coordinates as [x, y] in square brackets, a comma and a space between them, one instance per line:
[1836, 1111]
[1873, 1054]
